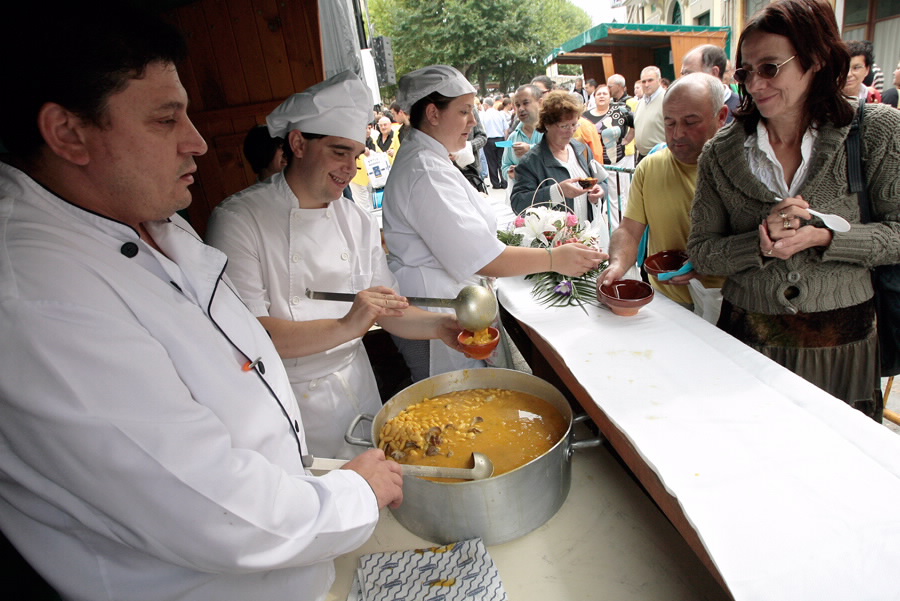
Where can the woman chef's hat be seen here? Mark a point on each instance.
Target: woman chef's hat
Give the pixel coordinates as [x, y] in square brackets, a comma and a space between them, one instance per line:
[339, 106]
[442, 79]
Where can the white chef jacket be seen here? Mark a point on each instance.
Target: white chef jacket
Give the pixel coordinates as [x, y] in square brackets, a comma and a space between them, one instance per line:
[138, 458]
[439, 229]
[276, 251]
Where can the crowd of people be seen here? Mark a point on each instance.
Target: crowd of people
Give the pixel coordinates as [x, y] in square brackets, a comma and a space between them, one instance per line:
[161, 396]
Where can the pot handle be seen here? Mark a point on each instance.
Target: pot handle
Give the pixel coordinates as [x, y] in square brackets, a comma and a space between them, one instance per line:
[360, 442]
[588, 442]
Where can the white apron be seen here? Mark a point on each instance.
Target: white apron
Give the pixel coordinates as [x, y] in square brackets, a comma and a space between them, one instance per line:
[334, 386]
[276, 251]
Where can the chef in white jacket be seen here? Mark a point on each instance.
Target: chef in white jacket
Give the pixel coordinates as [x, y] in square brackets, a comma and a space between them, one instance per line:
[150, 444]
[441, 232]
[299, 233]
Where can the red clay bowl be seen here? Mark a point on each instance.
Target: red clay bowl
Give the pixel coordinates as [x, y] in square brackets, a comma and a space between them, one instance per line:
[625, 297]
[479, 351]
[587, 182]
[667, 260]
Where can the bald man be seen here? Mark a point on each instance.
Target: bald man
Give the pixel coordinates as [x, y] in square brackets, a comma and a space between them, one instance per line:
[662, 191]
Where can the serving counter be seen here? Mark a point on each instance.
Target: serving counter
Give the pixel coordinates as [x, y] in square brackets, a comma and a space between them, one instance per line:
[608, 541]
[781, 490]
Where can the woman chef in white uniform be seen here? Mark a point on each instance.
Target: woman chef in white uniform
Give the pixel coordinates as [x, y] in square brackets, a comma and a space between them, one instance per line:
[298, 232]
[441, 232]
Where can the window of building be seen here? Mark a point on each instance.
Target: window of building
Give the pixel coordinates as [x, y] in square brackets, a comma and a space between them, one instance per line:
[702, 20]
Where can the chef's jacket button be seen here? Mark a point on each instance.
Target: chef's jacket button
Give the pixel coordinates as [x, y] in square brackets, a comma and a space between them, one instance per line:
[129, 249]
[295, 300]
[295, 258]
[794, 277]
[296, 426]
[345, 255]
[261, 367]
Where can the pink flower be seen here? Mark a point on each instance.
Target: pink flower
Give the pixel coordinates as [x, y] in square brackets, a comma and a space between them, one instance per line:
[520, 221]
[571, 220]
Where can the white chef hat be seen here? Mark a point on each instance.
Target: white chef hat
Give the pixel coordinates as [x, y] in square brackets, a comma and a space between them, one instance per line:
[339, 106]
[442, 79]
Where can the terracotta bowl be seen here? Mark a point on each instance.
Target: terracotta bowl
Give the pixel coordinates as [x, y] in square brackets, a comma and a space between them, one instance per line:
[667, 260]
[479, 351]
[625, 297]
[587, 182]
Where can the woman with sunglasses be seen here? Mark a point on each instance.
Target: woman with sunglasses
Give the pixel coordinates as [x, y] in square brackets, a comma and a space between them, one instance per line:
[796, 291]
[441, 233]
[550, 172]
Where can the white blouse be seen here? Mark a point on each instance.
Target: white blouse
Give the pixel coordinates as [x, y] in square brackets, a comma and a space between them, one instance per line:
[765, 165]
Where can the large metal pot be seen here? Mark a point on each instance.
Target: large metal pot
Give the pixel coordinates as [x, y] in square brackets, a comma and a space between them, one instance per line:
[497, 509]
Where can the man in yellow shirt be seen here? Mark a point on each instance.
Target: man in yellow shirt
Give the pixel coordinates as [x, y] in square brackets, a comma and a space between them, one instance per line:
[662, 191]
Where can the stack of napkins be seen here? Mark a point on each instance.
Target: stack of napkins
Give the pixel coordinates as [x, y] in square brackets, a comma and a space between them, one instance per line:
[461, 570]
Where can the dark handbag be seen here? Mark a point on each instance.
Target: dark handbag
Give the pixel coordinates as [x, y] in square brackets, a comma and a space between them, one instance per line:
[885, 278]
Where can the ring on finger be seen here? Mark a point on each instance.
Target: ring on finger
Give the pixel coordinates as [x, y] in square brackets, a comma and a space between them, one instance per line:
[787, 224]
[783, 215]
[770, 251]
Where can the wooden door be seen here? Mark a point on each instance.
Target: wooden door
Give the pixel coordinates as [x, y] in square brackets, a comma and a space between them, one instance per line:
[244, 58]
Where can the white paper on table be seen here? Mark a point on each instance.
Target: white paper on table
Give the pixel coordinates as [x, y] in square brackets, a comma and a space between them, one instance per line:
[792, 492]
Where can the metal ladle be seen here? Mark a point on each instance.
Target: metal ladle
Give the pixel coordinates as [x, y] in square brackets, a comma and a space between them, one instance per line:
[475, 306]
[482, 468]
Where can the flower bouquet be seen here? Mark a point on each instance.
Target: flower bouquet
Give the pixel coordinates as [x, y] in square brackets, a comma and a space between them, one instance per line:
[540, 226]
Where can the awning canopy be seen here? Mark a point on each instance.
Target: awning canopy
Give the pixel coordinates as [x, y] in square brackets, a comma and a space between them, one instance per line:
[625, 48]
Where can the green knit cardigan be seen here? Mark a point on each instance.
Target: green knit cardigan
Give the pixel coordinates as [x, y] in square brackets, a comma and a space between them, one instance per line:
[730, 204]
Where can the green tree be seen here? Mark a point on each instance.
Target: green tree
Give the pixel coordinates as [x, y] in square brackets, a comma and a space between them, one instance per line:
[502, 42]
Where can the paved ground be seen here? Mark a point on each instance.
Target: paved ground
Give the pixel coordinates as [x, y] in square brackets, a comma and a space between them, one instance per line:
[893, 401]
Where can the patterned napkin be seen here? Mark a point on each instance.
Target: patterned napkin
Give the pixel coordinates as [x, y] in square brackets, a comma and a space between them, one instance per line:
[458, 571]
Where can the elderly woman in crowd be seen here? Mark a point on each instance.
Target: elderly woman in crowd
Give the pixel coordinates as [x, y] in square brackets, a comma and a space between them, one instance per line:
[441, 233]
[796, 291]
[550, 172]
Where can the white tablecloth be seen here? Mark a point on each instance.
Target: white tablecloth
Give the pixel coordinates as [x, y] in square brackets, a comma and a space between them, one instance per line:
[793, 493]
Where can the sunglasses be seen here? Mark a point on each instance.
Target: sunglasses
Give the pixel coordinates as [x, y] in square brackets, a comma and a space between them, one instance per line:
[766, 71]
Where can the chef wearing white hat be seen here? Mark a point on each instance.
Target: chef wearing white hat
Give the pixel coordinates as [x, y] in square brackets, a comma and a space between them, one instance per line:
[441, 232]
[299, 233]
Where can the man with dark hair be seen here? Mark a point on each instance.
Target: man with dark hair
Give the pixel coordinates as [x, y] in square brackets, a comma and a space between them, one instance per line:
[544, 83]
[401, 117]
[709, 58]
[590, 87]
[861, 60]
[153, 449]
[264, 153]
[298, 234]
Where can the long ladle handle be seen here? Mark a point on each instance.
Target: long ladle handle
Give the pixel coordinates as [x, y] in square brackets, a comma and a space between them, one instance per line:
[427, 471]
[419, 301]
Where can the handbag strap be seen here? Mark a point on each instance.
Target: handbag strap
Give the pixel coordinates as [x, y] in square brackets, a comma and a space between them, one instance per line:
[855, 168]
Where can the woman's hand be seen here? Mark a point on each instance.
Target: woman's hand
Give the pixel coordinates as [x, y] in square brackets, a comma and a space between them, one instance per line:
[371, 304]
[807, 236]
[576, 259]
[783, 233]
[595, 193]
[785, 217]
[570, 188]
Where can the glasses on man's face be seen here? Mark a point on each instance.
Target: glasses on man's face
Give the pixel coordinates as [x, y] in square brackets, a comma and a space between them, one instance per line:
[766, 71]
